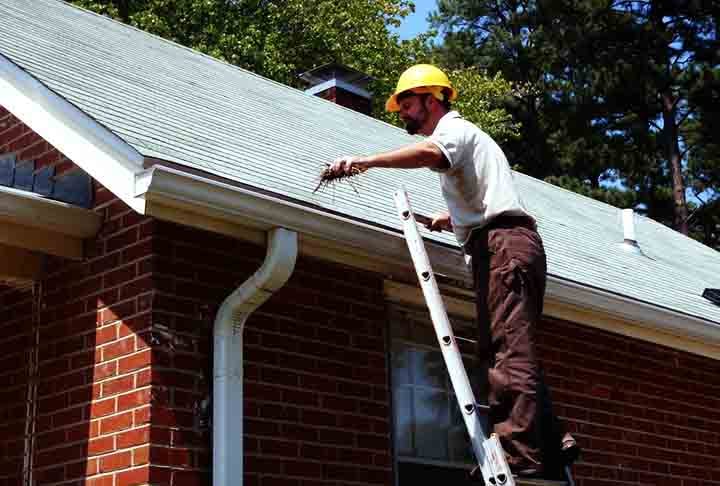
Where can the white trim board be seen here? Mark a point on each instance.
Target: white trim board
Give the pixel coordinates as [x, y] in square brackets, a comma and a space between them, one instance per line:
[35, 223]
[94, 148]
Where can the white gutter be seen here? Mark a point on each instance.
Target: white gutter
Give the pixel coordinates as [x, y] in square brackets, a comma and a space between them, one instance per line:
[166, 187]
[94, 148]
[228, 354]
[642, 313]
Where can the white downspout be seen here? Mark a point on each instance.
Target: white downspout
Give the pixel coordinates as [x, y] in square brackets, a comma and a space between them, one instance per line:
[228, 354]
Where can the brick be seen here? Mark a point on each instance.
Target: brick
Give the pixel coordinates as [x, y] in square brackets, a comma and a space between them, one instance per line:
[122, 240]
[50, 475]
[133, 437]
[116, 423]
[60, 455]
[118, 385]
[135, 361]
[165, 456]
[118, 348]
[190, 478]
[101, 445]
[133, 477]
[141, 455]
[136, 287]
[141, 416]
[134, 399]
[116, 312]
[67, 417]
[81, 469]
[101, 408]
[106, 480]
[115, 461]
[119, 276]
[106, 370]
[106, 334]
[143, 378]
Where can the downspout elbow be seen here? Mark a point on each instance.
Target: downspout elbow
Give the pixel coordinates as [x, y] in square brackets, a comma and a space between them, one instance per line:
[228, 353]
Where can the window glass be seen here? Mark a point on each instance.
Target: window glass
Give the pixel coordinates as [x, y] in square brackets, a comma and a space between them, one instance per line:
[428, 424]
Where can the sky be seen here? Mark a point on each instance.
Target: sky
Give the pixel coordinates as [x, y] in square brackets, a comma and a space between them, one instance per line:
[415, 24]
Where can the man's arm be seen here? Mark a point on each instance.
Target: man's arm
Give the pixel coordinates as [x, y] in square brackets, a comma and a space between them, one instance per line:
[415, 156]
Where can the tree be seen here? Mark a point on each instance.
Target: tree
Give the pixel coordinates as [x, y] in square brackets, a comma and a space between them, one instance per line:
[614, 88]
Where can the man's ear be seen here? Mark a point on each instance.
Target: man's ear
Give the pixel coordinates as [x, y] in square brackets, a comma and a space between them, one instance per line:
[428, 101]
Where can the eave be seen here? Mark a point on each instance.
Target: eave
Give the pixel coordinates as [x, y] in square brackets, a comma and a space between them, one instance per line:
[34, 225]
[177, 196]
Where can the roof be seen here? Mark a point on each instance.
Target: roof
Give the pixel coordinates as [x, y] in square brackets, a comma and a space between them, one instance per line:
[174, 104]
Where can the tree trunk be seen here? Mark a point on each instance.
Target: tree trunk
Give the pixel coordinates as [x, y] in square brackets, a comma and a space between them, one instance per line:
[670, 129]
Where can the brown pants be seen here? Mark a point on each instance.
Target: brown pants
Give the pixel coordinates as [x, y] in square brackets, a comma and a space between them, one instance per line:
[509, 271]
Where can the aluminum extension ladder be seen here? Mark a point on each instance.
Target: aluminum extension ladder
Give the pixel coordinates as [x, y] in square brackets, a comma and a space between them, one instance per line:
[488, 451]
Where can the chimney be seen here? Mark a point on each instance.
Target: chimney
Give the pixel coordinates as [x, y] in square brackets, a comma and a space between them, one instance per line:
[340, 84]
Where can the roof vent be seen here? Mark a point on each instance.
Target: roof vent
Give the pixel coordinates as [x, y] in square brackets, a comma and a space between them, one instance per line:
[713, 295]
[629, 243]
[340, 84]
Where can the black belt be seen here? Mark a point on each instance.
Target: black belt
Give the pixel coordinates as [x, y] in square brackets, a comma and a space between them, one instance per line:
[507, 221]
[503, 221]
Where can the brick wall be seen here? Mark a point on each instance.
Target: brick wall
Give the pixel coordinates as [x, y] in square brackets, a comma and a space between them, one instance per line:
[15, 338]
[317, 404]
[644, 414]
[93, 377]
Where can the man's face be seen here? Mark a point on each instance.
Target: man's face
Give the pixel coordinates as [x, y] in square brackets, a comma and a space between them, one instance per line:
[414, 113]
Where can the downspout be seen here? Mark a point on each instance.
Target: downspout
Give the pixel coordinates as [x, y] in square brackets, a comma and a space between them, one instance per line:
[228, 353]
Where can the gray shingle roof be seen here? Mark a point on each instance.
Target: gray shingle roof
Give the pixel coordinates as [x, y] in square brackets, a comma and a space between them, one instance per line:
[175, 104]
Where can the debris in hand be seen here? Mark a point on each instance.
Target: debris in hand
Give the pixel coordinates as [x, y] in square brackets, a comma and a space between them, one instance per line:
[328, 177]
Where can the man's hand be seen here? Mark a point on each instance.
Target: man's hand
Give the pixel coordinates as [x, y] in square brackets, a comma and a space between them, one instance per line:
[348, 165]
[440, 222]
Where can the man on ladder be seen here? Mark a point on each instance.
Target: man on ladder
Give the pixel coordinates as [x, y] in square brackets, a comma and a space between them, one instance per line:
[508, 262]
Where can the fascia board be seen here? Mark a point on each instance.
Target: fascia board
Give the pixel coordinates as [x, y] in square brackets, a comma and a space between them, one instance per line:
[630, 310]
[35, 211]
[94, 148]
[193, 194]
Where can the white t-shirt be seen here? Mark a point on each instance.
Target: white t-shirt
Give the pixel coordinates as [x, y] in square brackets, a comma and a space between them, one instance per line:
[478, 185]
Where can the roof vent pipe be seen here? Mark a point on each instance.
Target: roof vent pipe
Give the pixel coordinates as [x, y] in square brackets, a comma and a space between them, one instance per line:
[228, 353]
[629, 240]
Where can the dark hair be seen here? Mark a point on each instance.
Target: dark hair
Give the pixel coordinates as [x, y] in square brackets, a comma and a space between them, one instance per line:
[446, 99]
[445, 102]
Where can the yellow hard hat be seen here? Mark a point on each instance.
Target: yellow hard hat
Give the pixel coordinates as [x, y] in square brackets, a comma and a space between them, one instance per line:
[424, 78]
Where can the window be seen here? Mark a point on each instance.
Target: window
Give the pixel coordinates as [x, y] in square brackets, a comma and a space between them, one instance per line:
[430, 436]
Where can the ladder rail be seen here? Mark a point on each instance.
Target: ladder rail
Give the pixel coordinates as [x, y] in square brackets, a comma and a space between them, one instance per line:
[488, 452]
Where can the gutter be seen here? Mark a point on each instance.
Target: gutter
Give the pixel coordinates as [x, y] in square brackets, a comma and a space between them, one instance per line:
[164, 188]
[228, 353]
[643, 313]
